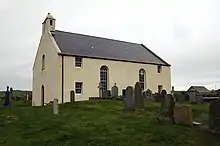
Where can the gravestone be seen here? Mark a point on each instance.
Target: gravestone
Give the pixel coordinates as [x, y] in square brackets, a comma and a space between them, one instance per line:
[123, 93]
[55, 107]
[114, 91]
[139, 100]
[72, 96]
[10, 96]
[214, 116]
[183, 115]
[7, 97]
[167, 106]
[129, 98]
[148, 95]
[100, 89]
[170, 105]
[106, 93]
[163, 106]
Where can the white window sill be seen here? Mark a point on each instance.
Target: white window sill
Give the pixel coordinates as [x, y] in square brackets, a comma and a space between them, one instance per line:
[78, 94]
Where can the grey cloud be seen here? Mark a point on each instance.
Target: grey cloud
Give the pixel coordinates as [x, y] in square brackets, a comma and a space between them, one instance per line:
[184, 33]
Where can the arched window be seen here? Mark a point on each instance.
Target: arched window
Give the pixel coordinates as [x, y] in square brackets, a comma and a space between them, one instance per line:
[104, 77]
[43, 62]
[142, 79]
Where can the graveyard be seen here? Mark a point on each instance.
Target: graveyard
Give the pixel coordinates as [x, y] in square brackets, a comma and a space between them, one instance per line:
[99, 122]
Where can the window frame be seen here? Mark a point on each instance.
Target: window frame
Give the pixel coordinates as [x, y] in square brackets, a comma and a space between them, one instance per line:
[103, 77]
[77, 88]
[159, 69]
[78, 61]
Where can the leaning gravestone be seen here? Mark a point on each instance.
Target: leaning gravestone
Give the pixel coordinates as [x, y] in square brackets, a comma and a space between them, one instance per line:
[55, 107]
[129, 98]
[114, 91]
[139, 100]
[183, 115]
[214, 116]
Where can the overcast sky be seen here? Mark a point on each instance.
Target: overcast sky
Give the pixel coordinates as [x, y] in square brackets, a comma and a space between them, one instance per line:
[185, 33]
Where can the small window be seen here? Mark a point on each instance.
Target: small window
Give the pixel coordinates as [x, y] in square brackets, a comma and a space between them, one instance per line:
[78, 61]
[43, 62]
[160, 87]
[51, 22]
[78, 87]
[159, 69]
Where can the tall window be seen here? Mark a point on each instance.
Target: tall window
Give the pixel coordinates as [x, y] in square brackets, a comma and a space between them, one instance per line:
[159, 69]
[142, 78]
[43, 62]
[78, 87]
[78, 61]
[104, 77]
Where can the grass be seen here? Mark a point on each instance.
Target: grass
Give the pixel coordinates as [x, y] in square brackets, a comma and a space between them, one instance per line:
[97, 123]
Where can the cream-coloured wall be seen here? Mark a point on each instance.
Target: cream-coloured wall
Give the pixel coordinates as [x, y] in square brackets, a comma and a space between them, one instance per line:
[121, 73]
[50, 77]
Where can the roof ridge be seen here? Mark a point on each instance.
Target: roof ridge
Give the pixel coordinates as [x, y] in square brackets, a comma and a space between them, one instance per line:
[98, 37]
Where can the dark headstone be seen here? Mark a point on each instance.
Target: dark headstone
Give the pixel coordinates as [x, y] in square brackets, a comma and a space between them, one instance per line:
[129, 98]
[7, 97]
[123, 93]
[139, 100]
[214, 116]
[72, 96]
[114, 91]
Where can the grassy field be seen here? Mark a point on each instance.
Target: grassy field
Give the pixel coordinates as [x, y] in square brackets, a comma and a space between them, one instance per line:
[97, 123]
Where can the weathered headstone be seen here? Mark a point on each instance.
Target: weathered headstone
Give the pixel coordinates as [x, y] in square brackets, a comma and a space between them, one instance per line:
[139, 100]
[55, 107]
[129, 98]
[163, 106]
[100, 89]
[114, 91]
[167, 106]
[147, 94]
[10, 96]
[170, 105]
[214, 116]
[7, 97]
[72, 96]
[183, 115]
[105, 93]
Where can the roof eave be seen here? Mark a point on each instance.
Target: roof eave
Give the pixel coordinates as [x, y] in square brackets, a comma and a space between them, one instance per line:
[73, 55]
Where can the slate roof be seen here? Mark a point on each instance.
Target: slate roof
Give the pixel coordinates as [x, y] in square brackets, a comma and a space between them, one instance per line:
[200, 89]
[96, 47]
